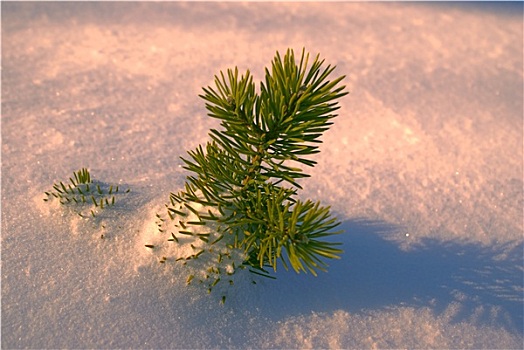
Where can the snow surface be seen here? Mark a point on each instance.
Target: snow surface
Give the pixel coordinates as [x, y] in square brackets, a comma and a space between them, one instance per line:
[423, 166]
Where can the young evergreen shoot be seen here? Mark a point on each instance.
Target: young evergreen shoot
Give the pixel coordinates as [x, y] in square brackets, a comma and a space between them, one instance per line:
[83, 195]
[240, 201]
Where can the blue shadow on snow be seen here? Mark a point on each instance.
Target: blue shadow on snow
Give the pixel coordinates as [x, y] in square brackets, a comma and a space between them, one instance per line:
[375, 273]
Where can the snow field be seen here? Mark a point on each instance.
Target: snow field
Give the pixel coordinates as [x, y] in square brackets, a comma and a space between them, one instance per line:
[423, 166]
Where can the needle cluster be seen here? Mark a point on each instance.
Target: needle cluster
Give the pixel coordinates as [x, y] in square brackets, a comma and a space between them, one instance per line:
[243, 183]
[83, 195]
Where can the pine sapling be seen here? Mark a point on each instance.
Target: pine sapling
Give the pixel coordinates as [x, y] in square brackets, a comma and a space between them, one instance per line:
[85, 197]
[239, 208]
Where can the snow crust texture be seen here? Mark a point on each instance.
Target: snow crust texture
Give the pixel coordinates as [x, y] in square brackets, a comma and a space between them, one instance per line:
[423, 167]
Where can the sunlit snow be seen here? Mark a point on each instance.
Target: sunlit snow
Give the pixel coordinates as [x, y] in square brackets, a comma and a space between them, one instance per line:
[423, 167]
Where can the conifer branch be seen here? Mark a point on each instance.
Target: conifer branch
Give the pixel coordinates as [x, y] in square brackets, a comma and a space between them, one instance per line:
[249, 171]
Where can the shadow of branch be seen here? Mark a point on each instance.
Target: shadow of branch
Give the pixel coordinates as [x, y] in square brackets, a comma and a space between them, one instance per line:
[375, 273]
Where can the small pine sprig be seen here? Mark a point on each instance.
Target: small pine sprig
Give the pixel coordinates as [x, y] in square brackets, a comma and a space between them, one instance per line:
[83, 195]
[243, 185]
